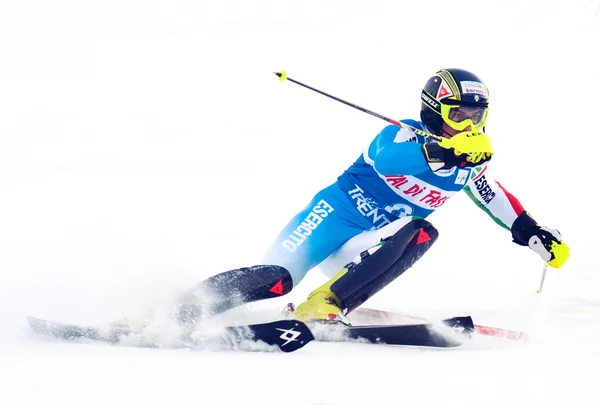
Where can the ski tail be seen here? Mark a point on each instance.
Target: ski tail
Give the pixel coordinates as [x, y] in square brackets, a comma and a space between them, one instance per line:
[109, 334]
[287, 335]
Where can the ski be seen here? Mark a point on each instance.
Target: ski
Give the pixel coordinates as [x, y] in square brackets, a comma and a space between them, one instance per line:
[287, 335]
[387, 317]
[107, 334]
[448, 333]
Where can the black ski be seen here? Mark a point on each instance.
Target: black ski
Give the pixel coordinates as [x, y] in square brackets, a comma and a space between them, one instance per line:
[288, 335]
[450, 333]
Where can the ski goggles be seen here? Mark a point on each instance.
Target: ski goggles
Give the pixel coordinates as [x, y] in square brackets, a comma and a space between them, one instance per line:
[459, 117]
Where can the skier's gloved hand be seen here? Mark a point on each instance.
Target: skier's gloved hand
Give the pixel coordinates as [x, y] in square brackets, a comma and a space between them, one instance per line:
[468, 142]
[466, 149]
[544, 241]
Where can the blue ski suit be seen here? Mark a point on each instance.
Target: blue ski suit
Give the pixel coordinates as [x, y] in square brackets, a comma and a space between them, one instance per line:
[390, 180]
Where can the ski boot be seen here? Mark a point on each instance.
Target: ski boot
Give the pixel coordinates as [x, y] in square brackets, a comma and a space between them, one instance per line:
[322, 306]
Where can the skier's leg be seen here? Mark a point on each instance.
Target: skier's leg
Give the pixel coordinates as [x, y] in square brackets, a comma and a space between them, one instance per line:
[375, 268]
[363, 241]
[309, 238]
[324, 225]
[229, 289]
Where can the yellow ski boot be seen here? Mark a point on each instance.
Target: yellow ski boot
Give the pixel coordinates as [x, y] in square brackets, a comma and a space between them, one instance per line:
[321, 305]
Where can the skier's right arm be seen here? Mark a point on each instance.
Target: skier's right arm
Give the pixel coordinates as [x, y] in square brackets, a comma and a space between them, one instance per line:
[397, 151]
[466, 149]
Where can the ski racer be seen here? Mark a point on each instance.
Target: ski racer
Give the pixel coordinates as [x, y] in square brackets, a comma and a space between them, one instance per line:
[375, 212]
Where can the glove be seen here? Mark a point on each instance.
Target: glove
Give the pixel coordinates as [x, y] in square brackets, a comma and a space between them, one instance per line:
[544, 241]
[466, 149]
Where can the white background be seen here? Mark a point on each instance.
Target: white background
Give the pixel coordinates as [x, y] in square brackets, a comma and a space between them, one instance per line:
[146, 145]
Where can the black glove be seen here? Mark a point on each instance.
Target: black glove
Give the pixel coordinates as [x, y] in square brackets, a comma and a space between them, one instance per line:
[544, 241]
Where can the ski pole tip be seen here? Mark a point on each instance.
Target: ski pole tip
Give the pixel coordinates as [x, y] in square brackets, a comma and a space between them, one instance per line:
[282, 75]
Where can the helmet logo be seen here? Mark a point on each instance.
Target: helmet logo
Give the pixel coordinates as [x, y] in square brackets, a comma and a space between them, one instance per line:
[443, 91]
[432, 103]
[470, 87]
[476, 97]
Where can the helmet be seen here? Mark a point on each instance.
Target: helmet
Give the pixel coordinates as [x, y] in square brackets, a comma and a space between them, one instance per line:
[457, 97]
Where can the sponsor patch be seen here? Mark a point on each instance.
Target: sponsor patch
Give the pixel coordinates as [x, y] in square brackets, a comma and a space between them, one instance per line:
[321, 210]
[368, 208]
[418, 192]
[461, 176]
[469, 87]
[485, 191]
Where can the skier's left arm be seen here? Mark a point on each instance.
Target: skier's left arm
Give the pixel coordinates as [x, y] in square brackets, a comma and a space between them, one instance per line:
[507, 211]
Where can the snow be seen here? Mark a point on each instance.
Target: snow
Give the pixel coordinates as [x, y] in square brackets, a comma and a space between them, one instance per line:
[146, 145]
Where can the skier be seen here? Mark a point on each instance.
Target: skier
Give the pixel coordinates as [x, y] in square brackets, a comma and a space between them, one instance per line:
[375, 212]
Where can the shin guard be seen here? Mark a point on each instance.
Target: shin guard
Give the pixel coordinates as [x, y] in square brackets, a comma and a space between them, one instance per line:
[381, 264]
[227, 290]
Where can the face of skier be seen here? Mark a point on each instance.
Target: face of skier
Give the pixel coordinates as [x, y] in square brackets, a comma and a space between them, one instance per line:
[457, 119]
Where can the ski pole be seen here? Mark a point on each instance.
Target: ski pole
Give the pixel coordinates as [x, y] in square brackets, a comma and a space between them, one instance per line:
[539, 290]
[283, 77]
